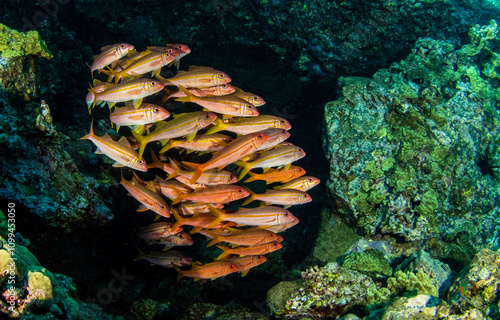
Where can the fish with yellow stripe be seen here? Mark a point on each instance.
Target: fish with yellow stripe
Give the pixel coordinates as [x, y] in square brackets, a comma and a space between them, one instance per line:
[120, 150]
[137, 118]
[134, 90]
[196, 77]
[147, 196]
[262, 216]
[286, 197]
[301, 183]
[181, 125]
[234, 151]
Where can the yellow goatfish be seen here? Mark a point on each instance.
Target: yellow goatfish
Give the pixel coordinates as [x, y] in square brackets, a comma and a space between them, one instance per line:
[249, 125]
[220, 90]
[152, 61]
[286, 197]
[137, 118]
[227, 105]
[301, 183]
[181, 125]
[120, 150]
[147, 196]
[202, 143]
[183, 50]
[110, 54]
[234, 151]
[196, 77]
[135, 90]
[281, 155]
[262, 216]
[250, 97]
[210, 177]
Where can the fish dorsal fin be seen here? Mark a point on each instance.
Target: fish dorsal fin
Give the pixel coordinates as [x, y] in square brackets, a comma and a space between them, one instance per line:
[200, 68]
[151, 186]
[107, 138]
[124, 142]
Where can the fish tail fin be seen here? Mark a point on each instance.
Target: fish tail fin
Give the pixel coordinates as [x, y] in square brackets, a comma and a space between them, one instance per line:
[169, 145]
[252, 197]
[180, 273]
[245, 168]
[140, 256]
[219, 126]
[156, 162]
[91, 104]
[174, 165]
[215, 238]
[179, 221]
[180, 196]
[253, 177]
[199, 169]
[225, 252]
[116, 75]
[219, 216]
[91, 133]
[189, 96]
[143, 142]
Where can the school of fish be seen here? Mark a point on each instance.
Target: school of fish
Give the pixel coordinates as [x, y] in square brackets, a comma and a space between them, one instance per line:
[219, 126]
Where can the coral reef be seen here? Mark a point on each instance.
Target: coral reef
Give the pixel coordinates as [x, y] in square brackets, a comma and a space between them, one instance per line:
[322, 292]
[403, 147]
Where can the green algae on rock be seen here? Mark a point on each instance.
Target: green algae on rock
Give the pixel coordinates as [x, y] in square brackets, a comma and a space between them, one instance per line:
[18, 52]
[403, 147]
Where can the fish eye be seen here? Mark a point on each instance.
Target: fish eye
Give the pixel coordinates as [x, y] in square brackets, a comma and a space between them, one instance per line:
[207, 116]
[300, 150]
[221, 75]
[240, 191]
[181, 236]
[170, 50]
[152, 83]
[224, 86]
[162, 207]
[122, 46]
[286, 214]
[140, 161]
[310, 179]
[156, 110]
[282, 121]
[259, 136]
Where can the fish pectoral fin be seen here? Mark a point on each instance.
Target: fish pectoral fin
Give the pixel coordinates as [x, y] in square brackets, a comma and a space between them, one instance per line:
[190, 137]
[244, 273]
[137, 102]
[142, 208]
[166, 247]
[118, 165]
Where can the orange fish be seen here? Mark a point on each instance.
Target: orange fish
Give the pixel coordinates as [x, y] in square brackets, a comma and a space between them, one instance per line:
[120, 150]
[220, 90]
[137, 117]
[250, 251]
[110, 54]
[247, 237]
[286, 197]
[172, 172]
[277, 175]
[196, 77]
[302, 183]
[281, 227]
[211, 270]
[244, 264]
[227, 105]
[183, 49]
[190, 208]
[262, 216]
[98, 87]
[234, 151]
[147, 196]
[134, 90]
[200, 221]
[165, 259]
[211, 177]
[158, 230]
[222, 193]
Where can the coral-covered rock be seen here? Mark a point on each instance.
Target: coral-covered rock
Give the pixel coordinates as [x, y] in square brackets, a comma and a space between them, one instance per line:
[412, 151]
